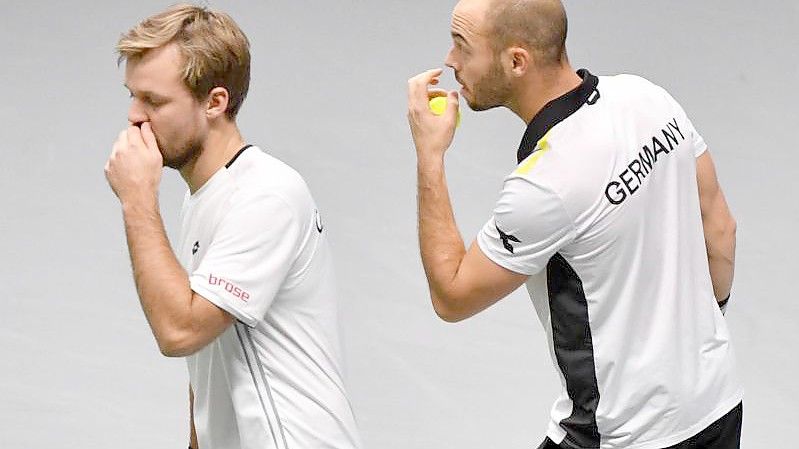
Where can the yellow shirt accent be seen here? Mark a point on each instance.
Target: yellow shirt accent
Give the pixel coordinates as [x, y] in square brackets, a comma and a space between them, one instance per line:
[541, 147]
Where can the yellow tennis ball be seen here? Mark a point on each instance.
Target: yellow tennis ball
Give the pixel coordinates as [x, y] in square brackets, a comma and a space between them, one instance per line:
[439, 104]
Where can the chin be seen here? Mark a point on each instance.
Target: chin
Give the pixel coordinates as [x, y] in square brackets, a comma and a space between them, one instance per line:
[477, 107]
[176, 165]
[178, 158]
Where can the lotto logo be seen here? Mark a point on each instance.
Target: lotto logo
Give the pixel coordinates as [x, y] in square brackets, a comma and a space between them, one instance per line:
[229, 287]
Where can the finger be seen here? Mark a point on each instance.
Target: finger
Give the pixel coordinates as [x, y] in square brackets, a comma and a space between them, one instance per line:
[430, 77]
[433, 93]
[122, 138]
[148, 136]
[417, 86]
[426, 77]
[134, 136]
[452, 106]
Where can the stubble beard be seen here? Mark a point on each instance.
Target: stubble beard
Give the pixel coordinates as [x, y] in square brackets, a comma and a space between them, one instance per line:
[490, 91]
[178, 158]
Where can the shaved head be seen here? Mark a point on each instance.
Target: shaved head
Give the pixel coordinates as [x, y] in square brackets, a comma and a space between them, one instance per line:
[538, 25]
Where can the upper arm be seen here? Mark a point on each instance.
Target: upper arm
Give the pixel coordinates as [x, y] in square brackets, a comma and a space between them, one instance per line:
[529, 225]
[712, 203]
[205, 322]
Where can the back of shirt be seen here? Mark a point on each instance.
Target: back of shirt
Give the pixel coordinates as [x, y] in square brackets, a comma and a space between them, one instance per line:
[254, 244]
[604, 215]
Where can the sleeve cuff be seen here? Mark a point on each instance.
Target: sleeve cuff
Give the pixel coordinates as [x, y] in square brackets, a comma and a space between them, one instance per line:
[211, 297]
[485, 248]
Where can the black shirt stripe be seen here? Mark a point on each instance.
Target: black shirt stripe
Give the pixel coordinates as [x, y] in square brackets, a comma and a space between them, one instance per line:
[571, 331]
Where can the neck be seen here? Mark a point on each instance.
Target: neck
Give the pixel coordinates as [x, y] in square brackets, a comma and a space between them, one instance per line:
[220, 145]
[541, 88]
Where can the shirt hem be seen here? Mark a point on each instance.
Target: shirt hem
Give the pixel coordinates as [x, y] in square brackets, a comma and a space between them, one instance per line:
[712, 417]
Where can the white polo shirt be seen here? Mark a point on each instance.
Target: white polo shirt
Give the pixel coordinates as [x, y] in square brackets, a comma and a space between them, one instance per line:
[253, 244]
[603, 213]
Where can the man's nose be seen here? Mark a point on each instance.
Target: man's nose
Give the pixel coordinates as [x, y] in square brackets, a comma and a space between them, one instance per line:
[449, 61]
[136, 114]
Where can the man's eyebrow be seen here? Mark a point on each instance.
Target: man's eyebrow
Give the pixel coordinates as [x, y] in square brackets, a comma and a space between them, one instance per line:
[145, 93]
[456, 36]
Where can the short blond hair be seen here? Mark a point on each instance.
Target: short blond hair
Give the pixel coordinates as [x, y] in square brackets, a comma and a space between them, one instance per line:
[215, 51]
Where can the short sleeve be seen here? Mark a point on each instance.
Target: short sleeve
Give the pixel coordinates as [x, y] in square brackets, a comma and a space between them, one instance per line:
[249, 257]
[686, 127]
[529, 225]
[696, 139]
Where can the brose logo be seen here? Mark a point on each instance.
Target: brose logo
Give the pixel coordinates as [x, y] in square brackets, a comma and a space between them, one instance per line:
[229, 287]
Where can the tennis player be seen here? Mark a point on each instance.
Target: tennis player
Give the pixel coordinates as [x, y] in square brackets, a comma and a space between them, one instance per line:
[614, 220]
[249, 296]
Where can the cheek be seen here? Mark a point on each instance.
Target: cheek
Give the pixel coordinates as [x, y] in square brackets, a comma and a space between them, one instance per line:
[471, 69]
[167, 133]
[159, 131]
[171, 122]
[177, 123]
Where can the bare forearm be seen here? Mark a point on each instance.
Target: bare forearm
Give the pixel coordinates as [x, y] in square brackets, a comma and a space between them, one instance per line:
[720, 243]
[440, 242]
[161, 282]
[719, 227]
[461, 282]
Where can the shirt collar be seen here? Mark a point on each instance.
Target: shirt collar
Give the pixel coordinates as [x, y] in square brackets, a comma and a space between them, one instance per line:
[556, 111]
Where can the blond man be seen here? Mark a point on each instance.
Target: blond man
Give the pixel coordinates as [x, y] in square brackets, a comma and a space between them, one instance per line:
[614, 220]
[249, 296]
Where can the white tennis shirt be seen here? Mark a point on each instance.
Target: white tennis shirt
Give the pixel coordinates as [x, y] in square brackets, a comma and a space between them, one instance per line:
[603, 213]
[253, 244]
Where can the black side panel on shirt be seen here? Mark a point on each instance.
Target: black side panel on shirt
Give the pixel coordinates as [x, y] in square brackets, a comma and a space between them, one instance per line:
[571, 335]
[571, 332]
[238, 153]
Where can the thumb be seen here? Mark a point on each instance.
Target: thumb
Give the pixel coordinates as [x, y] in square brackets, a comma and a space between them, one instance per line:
[452, 105]
[148, 136]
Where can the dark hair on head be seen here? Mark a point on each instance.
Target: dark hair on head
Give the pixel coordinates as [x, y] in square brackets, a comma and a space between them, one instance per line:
[539, 25]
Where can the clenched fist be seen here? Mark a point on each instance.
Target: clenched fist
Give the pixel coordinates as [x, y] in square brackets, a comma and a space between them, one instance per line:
[134, 168]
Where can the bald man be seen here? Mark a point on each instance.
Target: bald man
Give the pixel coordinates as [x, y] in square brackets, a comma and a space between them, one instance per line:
[614, 220]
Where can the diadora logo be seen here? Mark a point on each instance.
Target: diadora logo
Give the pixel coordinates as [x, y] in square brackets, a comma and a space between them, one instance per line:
[506, 239]
[195, 247]
[229, 287]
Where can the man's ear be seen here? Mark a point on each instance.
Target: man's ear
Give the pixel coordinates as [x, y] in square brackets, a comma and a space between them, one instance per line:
[519, 60]
[218, 100]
